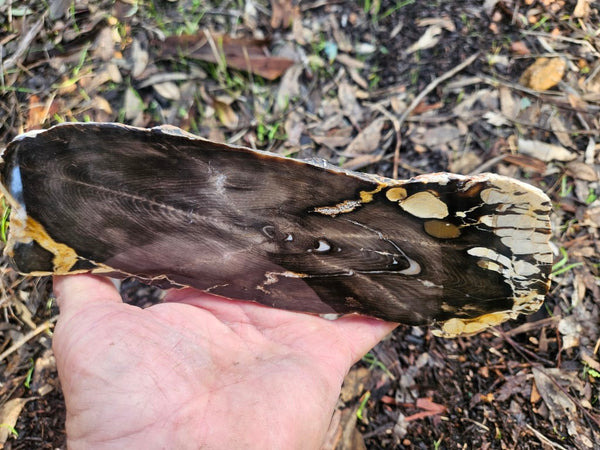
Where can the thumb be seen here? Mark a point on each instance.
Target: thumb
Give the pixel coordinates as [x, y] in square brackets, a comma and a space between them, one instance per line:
[76, 292]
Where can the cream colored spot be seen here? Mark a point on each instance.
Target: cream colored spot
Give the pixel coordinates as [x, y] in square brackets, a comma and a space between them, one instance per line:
[441, 229]
[425, 205]
[524, 268]
[345, 207]
[490, 265]
[396, 194]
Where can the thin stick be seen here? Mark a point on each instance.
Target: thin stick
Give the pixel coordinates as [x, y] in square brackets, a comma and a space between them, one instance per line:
[417, 100]
[40, 329]
[24, 44]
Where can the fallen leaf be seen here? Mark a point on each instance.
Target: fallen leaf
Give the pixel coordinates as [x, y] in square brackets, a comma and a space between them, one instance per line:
[167, 90]
[496, 119]
[570, 331]
[283, 13]
[431, 409]
[544, 73]
[367, 140]
[133, 105]
[140, 58]
[560, 131]
[545, 152]
[444, 22]
[436, 137]
[508, 105]
[238, 53]
[9, 414]
[582, 9]
[519, 48]
[582, 171]
[526, 162]
[561, 407]
[226, 114]
[350, 106]
[37, 113]
[289, 87]
[429, 39]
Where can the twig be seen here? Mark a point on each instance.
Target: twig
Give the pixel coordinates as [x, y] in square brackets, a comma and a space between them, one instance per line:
[576, 401]
[24, 44]
[419, 98]
[40, 329]
[522, 350]
[544, 439]
[528, 326]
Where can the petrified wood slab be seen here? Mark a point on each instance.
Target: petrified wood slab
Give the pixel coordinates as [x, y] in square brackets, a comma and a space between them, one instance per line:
[176, 210]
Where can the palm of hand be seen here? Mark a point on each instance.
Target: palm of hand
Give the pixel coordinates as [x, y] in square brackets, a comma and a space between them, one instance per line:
[199, 371]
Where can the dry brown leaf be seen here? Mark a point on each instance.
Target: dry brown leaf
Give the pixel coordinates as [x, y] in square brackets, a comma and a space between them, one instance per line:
[496, 119]
[519, 48]
[226, 114]
[429, 39]
[238, 53]
[544, 151]
[350, 62]
[436, 137]
[582, 171]
[37, 113]
[535, 394]
[367, 140]
[9, 414]
[289, 87]
[167, 90]
[560, 131]
[294, 127]
[283, 13]
[133, 105]
[582, 9]
[508, 105]
[139, 57]
[350, 106]
[544, 73]
[104, 45]
[465, 163]
[526, 162]
[333, 140]
[431, 409]
[444, 22]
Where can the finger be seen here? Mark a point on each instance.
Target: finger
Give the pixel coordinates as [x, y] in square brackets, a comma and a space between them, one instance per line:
[74, 292]
[362, 334]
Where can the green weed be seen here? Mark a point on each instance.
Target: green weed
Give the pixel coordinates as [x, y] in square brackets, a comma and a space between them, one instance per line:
[561, 266]
[4, 220]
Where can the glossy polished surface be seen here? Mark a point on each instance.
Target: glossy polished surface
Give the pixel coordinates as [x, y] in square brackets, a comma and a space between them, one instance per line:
[176, 210]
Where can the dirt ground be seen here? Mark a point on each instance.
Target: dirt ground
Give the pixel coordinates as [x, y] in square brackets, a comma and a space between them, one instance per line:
[396, 88]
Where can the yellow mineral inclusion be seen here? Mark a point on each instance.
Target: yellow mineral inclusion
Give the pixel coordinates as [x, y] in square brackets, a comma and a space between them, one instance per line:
[367, 196]
[396, 194]
[64, 256]
[425, 205]
[441, 229]
[460, 327]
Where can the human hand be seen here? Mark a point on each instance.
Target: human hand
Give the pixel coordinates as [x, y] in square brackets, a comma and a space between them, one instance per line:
[199, 371]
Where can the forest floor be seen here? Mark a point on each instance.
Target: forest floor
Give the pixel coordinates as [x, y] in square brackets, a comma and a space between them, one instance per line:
[393, 87]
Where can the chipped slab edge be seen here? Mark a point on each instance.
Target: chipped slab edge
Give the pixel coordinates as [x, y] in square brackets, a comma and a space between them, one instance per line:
[532, 207]
[511, 197]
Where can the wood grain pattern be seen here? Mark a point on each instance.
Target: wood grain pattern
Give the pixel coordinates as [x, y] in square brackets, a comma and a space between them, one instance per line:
[176, 210]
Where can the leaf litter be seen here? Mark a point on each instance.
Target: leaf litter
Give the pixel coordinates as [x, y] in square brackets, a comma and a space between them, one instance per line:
[394, 88]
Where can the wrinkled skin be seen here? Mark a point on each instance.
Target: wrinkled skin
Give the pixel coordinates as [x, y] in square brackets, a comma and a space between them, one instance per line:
[199, 371]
